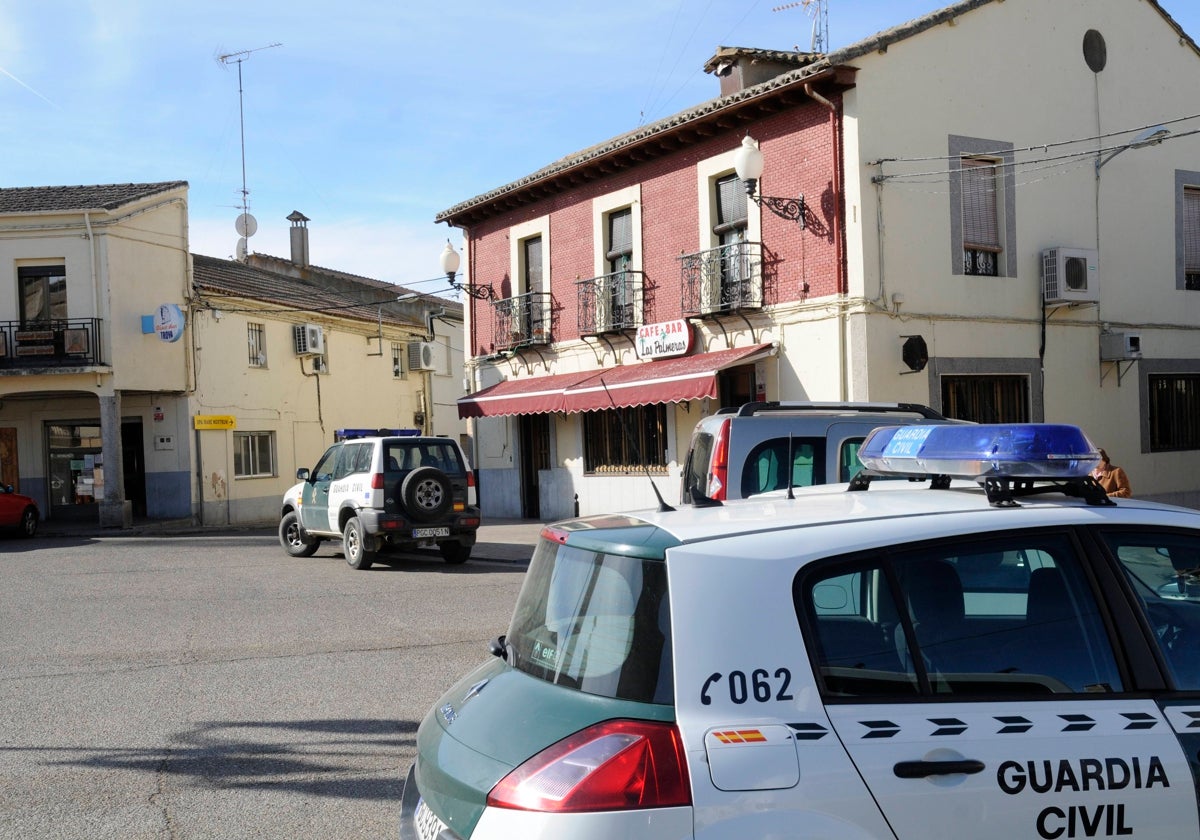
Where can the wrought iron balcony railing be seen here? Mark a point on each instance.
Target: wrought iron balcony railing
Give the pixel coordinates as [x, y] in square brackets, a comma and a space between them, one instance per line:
[609, 303]
[44, 344]
[522, 320]
[722, 280]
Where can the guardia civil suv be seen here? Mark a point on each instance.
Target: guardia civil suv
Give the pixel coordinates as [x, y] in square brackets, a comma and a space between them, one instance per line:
[380, 493]
[1013, 655]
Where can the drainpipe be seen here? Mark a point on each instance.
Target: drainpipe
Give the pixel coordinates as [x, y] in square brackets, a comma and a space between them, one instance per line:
[839, 237]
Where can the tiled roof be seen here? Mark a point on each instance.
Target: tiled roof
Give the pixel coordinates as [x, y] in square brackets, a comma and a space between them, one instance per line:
[335, 294]
[67, 199]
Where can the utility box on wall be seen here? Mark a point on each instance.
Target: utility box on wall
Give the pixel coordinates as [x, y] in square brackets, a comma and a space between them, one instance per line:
[1120, 346]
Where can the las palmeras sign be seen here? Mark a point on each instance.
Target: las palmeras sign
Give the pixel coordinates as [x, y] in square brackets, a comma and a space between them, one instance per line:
[664, 339]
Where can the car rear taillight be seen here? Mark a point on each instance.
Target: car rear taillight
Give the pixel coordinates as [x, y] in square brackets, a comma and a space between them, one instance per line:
[720, 463]
[470, 478]
[617, 765]
[377, 481]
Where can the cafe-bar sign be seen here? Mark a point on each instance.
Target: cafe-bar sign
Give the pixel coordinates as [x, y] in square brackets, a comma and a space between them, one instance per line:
[664, 339]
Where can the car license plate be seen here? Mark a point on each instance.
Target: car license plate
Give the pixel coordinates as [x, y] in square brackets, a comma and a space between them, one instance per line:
[423, 533]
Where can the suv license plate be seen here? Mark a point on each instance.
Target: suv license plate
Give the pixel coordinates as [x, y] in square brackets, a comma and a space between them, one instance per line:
[421, 533]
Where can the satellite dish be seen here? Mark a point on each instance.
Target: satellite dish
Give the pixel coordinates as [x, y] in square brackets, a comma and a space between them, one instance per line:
[241, 248]
[246, 225]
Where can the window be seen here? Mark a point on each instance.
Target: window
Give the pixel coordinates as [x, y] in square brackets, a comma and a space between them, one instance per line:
[257, 345]
[398, 371]
[43, 291]
[253, 454]
[986, 399]
[1164, 570]
[619, 440]
[730, 231]
[1191, 238]
[1174, 411]
[618, 298]
[766, 466]
[1012, 615]
[982, 207]
[531, 264]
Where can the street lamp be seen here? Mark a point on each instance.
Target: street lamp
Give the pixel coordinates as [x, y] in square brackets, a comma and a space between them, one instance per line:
[450, 263]
[748, 163]
[1149, 137]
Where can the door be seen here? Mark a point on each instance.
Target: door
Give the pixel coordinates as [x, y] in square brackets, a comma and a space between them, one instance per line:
[534, 430]
[973, 683]
[314, 496]
[9, 467]
[133, 455]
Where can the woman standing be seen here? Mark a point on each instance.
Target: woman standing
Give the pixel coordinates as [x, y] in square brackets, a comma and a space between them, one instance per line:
[1113, 479]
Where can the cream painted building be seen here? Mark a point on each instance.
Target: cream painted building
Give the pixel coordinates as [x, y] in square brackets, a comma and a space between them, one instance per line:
[993, 210]
[139, 381]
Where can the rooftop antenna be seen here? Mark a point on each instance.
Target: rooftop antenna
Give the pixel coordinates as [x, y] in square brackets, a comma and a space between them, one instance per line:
[818, 10]
[246, 225]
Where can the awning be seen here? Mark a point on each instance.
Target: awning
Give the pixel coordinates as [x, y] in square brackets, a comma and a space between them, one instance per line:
[664, 381]
[535, 395]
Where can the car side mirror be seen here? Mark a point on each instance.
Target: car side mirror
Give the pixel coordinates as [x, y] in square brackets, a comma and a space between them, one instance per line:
[302, 474]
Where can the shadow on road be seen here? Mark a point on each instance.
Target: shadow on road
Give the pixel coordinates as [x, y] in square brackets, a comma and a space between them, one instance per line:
[348, 759]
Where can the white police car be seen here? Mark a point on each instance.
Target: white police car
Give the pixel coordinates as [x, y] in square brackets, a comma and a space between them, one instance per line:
[884, 659]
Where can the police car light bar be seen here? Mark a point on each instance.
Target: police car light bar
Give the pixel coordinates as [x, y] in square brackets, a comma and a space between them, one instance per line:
[1009, 460]
[1007, 450]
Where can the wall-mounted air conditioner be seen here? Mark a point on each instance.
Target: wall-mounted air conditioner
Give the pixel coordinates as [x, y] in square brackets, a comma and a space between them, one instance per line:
[1070, 275]
[422, 356]
[1120, 346]
[309, 339]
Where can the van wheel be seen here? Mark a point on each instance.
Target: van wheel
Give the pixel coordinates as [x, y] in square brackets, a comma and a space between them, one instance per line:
[454, 553]
[354, 545]
[293, 539]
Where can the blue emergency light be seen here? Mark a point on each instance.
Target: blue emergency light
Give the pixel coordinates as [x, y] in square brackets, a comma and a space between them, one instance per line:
[1043, 451]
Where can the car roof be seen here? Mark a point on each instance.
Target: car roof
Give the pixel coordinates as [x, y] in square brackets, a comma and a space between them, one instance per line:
[887, 512]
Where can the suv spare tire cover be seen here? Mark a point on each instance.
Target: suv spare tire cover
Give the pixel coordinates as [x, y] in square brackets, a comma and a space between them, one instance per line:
[426, 493]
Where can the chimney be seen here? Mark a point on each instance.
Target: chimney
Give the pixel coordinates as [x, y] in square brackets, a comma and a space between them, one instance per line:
[299, 235]
[741, 67]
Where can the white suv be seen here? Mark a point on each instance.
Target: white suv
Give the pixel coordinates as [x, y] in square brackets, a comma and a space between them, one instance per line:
[380, 493]
[1014, 656]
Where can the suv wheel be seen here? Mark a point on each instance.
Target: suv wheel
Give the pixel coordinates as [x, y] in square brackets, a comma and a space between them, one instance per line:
[454, 552]
[354, 545]
[293, 539]
[426, 493]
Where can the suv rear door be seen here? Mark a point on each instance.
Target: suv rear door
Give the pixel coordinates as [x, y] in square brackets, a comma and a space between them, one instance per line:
[975, 682]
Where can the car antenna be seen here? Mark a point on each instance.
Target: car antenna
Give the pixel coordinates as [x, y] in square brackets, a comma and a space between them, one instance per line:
[663, 507]
[791, 465]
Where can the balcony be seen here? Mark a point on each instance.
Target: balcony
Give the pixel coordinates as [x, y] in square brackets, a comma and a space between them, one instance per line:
[722, 280]
[50, 344]
[609, 303]
[522, 321]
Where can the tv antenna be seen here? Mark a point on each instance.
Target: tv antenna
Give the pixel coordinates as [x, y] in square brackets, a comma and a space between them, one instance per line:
[246, 225]
[818, 10]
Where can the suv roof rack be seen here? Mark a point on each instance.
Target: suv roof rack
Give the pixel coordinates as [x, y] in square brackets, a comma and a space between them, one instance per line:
[752, 408]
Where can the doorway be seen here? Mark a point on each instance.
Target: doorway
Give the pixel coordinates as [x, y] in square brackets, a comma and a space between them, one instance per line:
[534, 443]
[133, 467]
[10, 472]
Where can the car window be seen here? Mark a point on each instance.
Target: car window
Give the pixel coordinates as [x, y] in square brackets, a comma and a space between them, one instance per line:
[1164, 570]
[362, 461]
[1012, 615]
[596, 622]
[848, 463]
[695, 475]
[323, 471]
[766, 467]
[346, 460]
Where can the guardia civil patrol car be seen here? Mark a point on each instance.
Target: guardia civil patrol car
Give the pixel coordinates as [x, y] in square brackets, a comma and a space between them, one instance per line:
[1011, 656]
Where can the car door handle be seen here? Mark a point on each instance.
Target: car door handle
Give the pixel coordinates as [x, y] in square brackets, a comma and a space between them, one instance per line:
[921, 769]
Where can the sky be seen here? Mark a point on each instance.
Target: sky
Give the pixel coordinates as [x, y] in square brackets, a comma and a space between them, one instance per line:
[369, 118]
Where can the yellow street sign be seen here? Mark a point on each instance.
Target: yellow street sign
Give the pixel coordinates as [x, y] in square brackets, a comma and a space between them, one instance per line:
[214, 421]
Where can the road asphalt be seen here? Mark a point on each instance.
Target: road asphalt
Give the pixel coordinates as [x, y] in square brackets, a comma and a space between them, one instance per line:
[503, 540]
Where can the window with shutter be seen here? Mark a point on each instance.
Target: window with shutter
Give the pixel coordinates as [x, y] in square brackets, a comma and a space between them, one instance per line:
[980, 227]
[1191, 238]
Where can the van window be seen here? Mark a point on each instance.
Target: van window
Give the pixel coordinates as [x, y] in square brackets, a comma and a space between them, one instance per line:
[695, 475]
[766, 467]
[596, 622]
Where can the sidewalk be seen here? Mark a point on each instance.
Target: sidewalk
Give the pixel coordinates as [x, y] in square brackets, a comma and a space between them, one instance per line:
[504, 540]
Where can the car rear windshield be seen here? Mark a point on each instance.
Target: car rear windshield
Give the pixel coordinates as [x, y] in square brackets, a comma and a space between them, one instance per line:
[595, 622]
[402, 456]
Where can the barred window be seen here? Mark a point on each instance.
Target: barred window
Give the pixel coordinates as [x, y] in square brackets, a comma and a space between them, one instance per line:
[398, 371]
[986, 399]
[257, 345]
[253, 454]
[620, 440]
[1174, 412]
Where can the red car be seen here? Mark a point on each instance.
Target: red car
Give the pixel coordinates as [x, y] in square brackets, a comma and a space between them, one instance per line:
[17, 511]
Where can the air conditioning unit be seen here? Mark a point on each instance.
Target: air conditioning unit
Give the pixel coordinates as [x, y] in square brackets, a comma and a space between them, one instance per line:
[1120, 346]
[309, 339]
[1070, 275]
[320, 365]
[422, 355]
